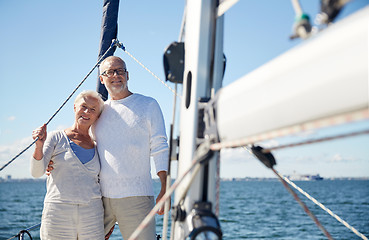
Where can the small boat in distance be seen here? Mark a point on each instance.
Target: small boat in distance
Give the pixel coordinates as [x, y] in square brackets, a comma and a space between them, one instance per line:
[305, 177]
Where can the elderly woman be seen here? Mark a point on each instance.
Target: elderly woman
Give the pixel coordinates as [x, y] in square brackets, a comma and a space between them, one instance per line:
[72, 206]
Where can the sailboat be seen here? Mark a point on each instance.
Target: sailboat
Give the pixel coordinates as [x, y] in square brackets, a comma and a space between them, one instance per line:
[251, 109]
[215, 118]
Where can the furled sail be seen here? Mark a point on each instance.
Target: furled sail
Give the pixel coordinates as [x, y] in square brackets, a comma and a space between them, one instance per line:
[109, 31]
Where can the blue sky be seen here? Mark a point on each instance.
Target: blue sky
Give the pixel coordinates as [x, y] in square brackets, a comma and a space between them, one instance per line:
[47, 47]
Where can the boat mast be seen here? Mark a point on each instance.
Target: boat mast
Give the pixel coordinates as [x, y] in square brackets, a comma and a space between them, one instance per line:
[203, 73]
[109, 31]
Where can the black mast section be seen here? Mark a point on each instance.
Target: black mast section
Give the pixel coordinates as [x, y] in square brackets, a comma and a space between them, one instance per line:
[109, 30]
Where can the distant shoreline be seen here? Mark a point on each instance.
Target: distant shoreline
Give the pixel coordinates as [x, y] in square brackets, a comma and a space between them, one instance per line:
[245, 179]
[276, 179]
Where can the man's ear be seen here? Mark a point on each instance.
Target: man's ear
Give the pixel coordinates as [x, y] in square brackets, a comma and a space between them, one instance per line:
[127, 76]
[101, 79]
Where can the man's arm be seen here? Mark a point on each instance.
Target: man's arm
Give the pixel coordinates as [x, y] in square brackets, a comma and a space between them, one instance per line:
[159, 148]
[163, 181]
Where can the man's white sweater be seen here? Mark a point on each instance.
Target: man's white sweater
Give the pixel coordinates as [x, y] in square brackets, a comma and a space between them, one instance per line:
[129, 132]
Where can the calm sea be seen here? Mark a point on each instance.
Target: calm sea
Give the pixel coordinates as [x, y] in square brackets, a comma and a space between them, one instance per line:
[249, 209]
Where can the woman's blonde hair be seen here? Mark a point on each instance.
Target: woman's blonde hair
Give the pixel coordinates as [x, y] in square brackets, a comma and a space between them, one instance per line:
[90, 93]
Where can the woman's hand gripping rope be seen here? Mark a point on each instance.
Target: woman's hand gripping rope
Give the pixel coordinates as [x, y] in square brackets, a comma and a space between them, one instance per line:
[39, 135]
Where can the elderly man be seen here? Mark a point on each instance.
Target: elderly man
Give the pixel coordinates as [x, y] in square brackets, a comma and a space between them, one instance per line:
[129, 131]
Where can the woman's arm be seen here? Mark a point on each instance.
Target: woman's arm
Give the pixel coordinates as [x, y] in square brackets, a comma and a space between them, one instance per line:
[37, 163]
[41, 134]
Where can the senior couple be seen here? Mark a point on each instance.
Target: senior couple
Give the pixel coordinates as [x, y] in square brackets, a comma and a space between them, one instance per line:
[100, 166]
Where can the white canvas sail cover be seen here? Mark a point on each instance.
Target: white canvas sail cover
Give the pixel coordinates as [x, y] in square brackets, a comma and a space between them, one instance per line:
[325, 76]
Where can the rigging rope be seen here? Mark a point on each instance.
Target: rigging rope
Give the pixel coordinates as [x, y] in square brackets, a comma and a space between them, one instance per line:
[285, 180]
[114, 43]
[266, 150]
[169, 180]
[195, 166]
[217, 186]
[268, 160]
[22, 232]
[153, 74]
[302, 204]
[325, 209]
[325, 122]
